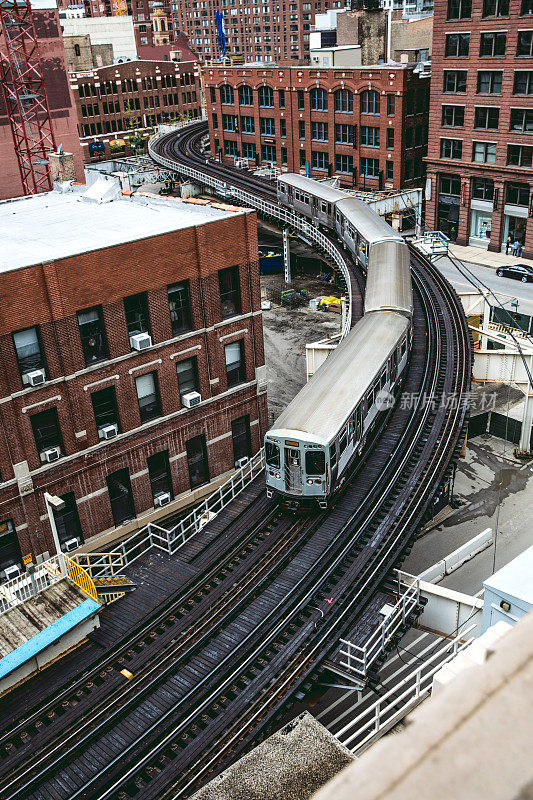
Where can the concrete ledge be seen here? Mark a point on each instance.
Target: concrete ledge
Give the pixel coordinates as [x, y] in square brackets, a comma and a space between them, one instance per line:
[458, 557]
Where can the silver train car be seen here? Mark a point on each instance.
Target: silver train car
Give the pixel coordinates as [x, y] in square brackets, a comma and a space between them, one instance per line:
[322, 431]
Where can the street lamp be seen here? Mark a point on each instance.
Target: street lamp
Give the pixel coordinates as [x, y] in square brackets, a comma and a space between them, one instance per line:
[54, 503]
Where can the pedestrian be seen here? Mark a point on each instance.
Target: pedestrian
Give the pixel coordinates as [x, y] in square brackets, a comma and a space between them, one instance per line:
[508, 245]
[516, 248]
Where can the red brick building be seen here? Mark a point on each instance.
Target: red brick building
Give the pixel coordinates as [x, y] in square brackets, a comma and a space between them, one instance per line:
[480, 152]
[131, 361]
[60, 100]
[119, 104]
[367, 125]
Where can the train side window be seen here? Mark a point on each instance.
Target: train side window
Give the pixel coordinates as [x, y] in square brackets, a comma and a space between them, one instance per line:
[343, 441]
[370, 399]
[404, 347]
[272, 455]
[323, 207]
[315, 462]
[333, 454]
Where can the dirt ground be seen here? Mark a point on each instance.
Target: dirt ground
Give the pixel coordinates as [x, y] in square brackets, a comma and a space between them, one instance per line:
[286, 332]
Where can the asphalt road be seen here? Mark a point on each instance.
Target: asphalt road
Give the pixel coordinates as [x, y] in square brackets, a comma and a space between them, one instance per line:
[523, 292]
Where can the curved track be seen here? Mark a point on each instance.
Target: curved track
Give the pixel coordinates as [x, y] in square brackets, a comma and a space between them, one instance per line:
[218, 666]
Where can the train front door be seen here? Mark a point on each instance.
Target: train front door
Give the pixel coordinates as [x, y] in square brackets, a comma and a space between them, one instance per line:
[293, 470]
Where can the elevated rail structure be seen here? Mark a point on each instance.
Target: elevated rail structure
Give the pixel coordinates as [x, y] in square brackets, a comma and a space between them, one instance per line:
[266, 597]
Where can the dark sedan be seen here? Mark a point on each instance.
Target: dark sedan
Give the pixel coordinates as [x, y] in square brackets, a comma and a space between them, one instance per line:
[520, 272]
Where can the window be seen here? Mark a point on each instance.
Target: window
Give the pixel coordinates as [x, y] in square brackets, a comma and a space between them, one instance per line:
[301, 129]
[46, 431]
[229, 122]
[451, 148]
[390, 138]
[489, 82]
[179, 303]
[301, 98]
[369, 136]
[343, 163]
[484, 152]
[30, 355]
[483, 188]
[524, 45]
[344, 134]
[408, 170]
[67, 520]
[272, 455]
[523, 83]
[318, 99]
[495, 8]
[268, 152]
[235, 363]
[487, 118]
[9, 545]
[453, 116]
[147, 387]
[215, 120]
[197, 461]
[188, 381]
[369, 102]
[459, 9]
[315, 462]
[343, 100]
[282, 128]
[120, 496]
[266, 96]
[230, 148]
[248, 150]
[159, 473]
[370, 167]
[213, 94]
[105, 408]
[409, 138]
[389, 170]
[230, 292]
[240, 437]
[450, 185]
[281, 98]
[284, 155]
[493, 44]
[303, 158]
[226, 94]
[455, 80]
[519, 155]
[267, 127]
[319, 160]
[527, 8]
[247, 124]
[136, 310]
[319, 131]
[518, 194]
[246, 96]
[391, 105]
[457, 44]
[521, 119]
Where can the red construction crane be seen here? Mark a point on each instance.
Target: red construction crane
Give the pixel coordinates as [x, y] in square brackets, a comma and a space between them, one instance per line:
[21, 76]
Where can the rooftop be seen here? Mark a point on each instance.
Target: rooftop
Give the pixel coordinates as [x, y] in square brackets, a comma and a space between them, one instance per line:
[515, 577]
[55, 225]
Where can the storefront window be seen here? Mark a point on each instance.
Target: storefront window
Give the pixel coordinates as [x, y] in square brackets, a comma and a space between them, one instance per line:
[480, 226]
[515, 228]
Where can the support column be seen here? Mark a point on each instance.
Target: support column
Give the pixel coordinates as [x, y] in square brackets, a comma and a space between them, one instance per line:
[286, 255]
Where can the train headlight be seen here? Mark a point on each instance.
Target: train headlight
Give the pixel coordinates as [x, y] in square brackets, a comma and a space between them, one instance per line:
[309, 481]
[278, 475]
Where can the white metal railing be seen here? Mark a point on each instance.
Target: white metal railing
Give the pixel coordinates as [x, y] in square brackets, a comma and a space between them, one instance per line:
[391, 707]
[271, 208]
[169, 540]
[359, 659]
[27, 585]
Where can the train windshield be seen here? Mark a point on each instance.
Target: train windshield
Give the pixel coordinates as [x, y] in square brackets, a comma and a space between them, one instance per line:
[272, 455]
[315, 462]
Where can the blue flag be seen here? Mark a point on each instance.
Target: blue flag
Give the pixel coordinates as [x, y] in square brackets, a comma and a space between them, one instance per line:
[221, 34]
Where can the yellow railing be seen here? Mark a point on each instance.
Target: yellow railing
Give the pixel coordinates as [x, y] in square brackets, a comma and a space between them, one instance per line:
[97, 563]
[81, 578]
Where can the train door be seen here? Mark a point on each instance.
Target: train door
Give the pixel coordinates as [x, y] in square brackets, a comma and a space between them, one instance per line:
[293, 470]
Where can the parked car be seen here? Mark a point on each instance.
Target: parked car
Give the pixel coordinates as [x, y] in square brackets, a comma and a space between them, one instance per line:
[520, 272]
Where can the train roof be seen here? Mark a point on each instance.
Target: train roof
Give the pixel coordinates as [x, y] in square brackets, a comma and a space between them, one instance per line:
[316, 188]
[388, 282]
[327, 400]
[369, 225]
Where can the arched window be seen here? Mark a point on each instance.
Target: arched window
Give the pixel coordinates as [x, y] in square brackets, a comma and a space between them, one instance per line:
[343, 100]
[370, 102]
[226, 94]
[246, 96]
[266, 96]
[319, 99]
[77, 50]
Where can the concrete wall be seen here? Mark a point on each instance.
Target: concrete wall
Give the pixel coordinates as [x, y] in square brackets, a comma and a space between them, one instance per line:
[114, 31]
[91, 56]
[367, 28]
[408, 35]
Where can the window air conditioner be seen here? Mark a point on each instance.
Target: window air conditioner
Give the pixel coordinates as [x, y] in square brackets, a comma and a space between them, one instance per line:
[35, 377]
[241, 462]
[52, 454]
[107, 431]
[12, 572]
[140, 341]
[191, 399]
[162, 499]
[69, 545]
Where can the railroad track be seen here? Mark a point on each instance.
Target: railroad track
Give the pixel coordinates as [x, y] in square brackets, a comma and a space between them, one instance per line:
[225, 677]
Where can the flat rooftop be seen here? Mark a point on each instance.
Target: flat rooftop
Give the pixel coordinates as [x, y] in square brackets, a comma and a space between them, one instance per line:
[55, 225]
[515, 578]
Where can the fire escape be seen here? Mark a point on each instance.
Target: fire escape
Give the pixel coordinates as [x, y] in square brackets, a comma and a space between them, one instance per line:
[24, 92]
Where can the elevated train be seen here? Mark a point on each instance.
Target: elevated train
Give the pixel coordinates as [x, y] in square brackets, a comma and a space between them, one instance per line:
[315, 440]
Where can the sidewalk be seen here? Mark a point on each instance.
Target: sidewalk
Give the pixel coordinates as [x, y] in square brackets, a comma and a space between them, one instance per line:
[477, 255]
